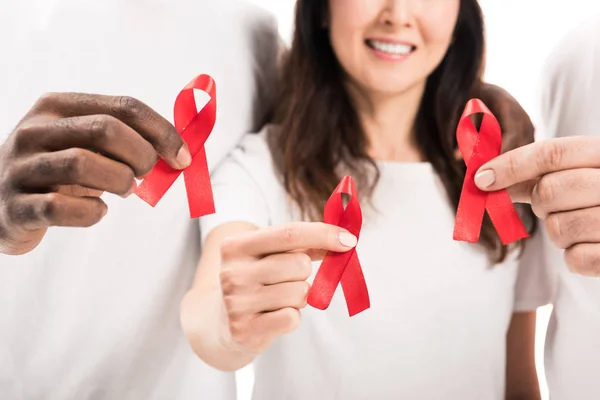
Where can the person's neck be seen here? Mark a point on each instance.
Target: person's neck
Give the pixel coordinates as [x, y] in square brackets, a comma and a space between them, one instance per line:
[388, 122]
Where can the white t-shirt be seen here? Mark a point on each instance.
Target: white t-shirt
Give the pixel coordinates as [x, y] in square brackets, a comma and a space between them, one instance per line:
[571, 106]
[439, 311]
[94, 313]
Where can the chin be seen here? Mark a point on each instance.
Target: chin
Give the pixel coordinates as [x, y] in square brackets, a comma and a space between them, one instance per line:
[390, 87]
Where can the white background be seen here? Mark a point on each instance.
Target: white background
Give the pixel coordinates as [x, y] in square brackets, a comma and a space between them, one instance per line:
[520, 35]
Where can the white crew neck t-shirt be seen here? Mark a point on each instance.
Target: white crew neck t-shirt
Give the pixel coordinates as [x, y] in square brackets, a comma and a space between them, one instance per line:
[93, 314]
[439, 311]
[571, 106]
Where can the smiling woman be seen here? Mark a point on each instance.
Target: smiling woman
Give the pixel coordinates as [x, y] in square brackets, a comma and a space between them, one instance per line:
[371, 89]
[349, 60]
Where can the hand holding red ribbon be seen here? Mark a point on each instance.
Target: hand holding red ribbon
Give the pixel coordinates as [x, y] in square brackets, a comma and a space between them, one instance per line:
[345, 267]
[195, 128]
[477, 148]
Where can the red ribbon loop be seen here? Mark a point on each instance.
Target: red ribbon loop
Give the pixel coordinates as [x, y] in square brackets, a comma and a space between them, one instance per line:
[477, 148]
[195, 128]
[345, 267]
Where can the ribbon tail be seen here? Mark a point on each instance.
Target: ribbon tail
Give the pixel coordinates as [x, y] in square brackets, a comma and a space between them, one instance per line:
[471, 208]
[505, 217]
[326, 281]
[158, 182]
[198, 187]
[355, 287]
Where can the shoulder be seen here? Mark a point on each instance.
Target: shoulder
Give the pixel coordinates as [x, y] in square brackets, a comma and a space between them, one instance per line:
[251, 160]
[574, 47]
[246, 186]
[568, 76]
[253, 151]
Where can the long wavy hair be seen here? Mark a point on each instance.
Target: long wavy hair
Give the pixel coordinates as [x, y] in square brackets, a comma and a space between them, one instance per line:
[319, 127]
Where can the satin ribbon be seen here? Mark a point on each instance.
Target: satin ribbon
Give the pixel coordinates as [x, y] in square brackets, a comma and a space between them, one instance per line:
[477, 148]
[345, 267]
[195, 128]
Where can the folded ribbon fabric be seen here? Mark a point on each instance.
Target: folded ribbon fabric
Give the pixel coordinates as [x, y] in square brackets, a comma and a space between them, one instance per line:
[477, 148]
[344, 267]
[195, 128]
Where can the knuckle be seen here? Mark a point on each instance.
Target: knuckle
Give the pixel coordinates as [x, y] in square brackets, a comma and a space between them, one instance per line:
[546, 190]
[128, 106]
[25, 134]
[19, 212]
[555, 227]
[237, 328]
[583, 260]
[50, 207]
[514, 166]
[551, 156]
[11, 173]
[235, 308]
[290, 320]
[231, 280]
[304, 263]
[74, 164]
[290, 234]
[42, 166]
[101, 127]
[228, 248]
[46, 100]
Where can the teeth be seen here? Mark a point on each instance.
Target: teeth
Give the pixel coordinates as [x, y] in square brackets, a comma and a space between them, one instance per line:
[391, 48]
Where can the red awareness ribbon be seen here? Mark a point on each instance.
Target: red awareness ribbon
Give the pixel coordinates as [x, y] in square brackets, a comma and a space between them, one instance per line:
[345, 267]
[477, 148]
[195, 128]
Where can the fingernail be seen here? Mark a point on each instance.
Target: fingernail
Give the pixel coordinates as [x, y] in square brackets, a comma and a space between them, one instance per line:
[485, 179]
[104, 212]
[184, 158]
[347, 239]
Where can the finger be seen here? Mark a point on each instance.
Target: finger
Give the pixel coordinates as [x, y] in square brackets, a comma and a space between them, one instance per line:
[522, 192]
[534, 160]
[283, 295]
[291, 237]
[259, 332]
[270, 298]
[584, 259]
[144, 120]
[314, 254]
[100, 133]
[74, 167]
[277, 323]
[79, 191]
[565, 229]
[283, 267]
[37, 211]
[566, 190]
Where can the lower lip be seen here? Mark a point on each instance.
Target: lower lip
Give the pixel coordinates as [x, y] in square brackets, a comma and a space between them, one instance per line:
[389, 56]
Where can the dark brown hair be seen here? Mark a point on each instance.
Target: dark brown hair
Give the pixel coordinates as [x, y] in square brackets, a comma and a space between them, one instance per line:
[320, 130]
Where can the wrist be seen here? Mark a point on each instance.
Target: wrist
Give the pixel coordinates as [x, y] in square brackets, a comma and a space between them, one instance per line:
[205, 325]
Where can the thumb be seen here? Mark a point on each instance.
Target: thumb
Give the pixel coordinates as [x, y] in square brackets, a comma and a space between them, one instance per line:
[519, 192]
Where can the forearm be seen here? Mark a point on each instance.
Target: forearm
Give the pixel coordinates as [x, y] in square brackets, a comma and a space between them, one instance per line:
[521, 374]
[206, 330]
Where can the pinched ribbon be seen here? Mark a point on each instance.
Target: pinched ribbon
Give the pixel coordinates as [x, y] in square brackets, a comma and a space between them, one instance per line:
[195, 128]
[344, 267]
[477, 148]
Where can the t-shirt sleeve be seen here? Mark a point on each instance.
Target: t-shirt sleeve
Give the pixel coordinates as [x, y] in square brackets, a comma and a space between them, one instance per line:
[535, 277]
[238, 187]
